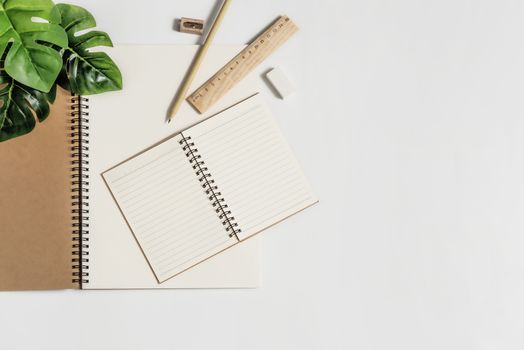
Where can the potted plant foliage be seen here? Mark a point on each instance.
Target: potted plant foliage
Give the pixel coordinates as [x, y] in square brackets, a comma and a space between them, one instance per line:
[40, 48]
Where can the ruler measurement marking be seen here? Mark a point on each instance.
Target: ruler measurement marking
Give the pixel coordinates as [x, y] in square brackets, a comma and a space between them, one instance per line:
[244, 62]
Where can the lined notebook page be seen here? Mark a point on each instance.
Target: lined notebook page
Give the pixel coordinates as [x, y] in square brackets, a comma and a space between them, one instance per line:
[252, 165]
[166, 208]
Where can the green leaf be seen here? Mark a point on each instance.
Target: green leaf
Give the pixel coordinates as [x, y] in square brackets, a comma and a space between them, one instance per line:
[85, 72]
[19, 104]
[31, 59]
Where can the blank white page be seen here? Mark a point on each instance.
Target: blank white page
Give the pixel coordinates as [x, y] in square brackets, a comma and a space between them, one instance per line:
[254, 169]
[165, 206]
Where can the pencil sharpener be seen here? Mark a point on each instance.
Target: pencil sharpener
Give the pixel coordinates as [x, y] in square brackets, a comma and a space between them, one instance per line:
[191, 25]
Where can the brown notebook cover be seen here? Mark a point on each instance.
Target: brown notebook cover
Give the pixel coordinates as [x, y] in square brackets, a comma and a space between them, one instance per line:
[38, 243]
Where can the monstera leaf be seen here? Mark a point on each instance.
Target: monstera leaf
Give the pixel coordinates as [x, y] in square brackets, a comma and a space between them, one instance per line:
[32, 26]
[18, 102]
[86, 72]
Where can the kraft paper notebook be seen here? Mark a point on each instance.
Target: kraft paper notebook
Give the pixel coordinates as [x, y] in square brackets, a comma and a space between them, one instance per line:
[60, 227]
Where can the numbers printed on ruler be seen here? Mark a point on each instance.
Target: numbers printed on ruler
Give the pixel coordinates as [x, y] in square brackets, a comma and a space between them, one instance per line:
[212, 90]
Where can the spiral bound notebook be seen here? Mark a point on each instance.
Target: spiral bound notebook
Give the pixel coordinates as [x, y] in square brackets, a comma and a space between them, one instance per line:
[210, 187]
[59, 226]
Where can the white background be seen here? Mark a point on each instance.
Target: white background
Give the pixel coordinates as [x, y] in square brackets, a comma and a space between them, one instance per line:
[409, 123]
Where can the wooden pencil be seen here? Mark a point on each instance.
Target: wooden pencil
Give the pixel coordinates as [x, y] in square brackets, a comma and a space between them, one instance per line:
[182, 91]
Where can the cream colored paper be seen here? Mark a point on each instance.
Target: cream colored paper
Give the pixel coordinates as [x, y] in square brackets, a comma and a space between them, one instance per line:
[127, 122]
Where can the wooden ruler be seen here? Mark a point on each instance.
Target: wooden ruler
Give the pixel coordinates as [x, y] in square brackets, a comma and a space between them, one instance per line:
[240, 66]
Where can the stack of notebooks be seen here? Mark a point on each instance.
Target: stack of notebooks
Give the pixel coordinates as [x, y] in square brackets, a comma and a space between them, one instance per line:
[103, 195]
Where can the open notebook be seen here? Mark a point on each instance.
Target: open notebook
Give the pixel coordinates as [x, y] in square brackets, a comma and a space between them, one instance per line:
[60, 227]
[210, 187]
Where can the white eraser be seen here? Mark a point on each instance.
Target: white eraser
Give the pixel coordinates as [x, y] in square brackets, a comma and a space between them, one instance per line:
[280, 82]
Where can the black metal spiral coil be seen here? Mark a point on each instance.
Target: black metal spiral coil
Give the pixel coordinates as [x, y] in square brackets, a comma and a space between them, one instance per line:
[79, 119]
[210, 188]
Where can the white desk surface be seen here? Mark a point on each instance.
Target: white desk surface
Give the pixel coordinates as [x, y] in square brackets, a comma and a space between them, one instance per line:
[409, 123]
